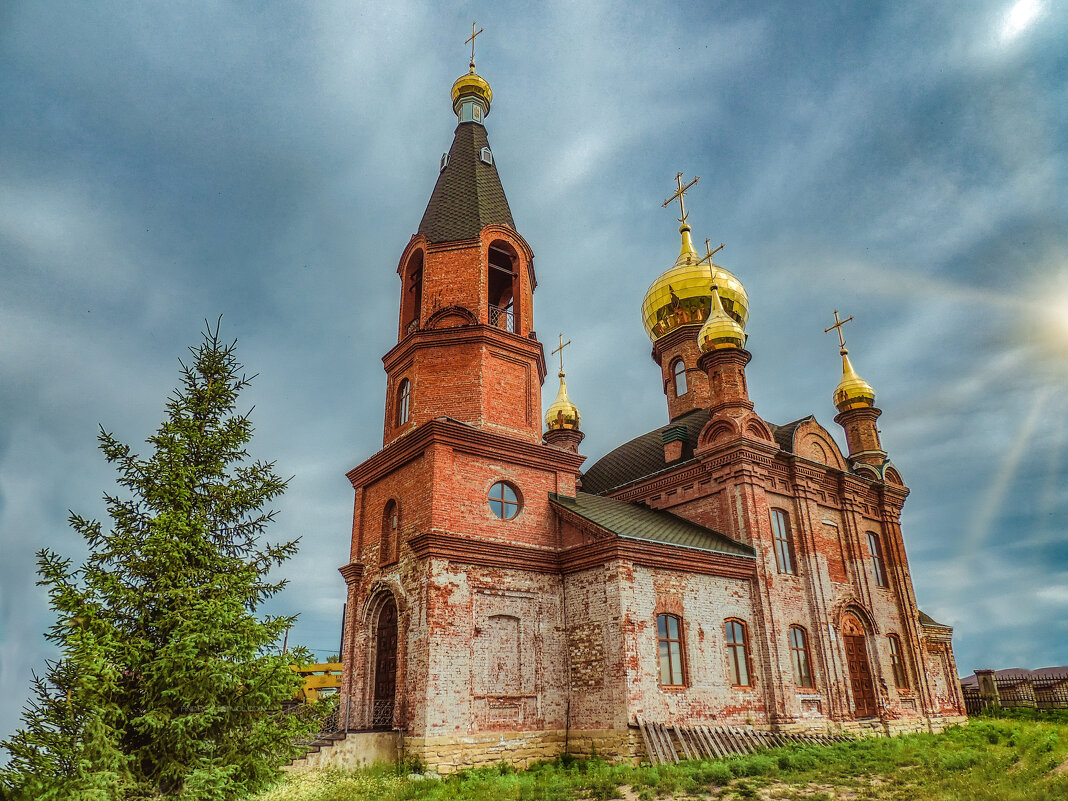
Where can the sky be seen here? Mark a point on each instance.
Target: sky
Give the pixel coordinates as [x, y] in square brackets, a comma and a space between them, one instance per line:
[904, 162]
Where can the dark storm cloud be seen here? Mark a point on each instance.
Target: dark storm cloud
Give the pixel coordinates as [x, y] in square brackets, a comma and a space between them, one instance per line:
[904, 162]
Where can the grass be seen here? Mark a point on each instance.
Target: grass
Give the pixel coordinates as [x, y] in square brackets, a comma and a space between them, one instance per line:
[1011, 757]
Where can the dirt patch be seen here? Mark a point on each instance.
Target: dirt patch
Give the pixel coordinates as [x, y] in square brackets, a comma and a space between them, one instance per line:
[1061, 769]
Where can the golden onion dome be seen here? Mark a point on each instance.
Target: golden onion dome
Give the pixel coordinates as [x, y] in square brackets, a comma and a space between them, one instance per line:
[562, 413]
[474, 86]
[720, 329]
[852, 392]
[682, 295]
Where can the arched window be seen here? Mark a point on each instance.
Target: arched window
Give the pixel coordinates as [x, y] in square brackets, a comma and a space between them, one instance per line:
[387, 549]
[669, 640]
[901, 679]
[504, 283]
[877, 565]
[799, 657]
[678, 370]
[784, 546]
[504, 500]
[737, 637]
[404, 392]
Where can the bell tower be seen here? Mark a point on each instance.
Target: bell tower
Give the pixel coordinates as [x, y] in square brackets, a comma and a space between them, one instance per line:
[465, 346]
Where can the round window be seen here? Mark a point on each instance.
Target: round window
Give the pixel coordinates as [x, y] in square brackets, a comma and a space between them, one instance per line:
[504, 500]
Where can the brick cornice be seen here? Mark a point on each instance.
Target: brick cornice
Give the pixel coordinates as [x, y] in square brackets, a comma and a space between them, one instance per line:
[486, 553]
[490, 335]
[466, 438]
[352, 572]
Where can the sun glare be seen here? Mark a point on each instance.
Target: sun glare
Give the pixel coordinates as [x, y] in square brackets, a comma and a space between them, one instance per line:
[1018, 18]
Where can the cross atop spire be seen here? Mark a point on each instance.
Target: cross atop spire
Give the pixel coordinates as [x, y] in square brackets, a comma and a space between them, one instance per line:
[838, 325]
[709, 253]
[560, 350]
[474, 33]
[680, 193]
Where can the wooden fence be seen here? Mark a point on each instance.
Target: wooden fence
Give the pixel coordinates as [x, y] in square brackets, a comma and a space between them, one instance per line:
[671, 743]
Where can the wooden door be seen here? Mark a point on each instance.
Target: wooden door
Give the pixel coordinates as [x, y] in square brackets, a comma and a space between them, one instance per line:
[860, 676]
[385, 665]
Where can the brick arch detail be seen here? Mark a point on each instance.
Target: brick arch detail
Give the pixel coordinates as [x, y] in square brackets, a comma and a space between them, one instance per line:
[850, 605]
[377, 595]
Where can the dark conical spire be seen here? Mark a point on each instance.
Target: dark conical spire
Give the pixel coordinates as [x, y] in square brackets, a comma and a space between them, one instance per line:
[468, 195]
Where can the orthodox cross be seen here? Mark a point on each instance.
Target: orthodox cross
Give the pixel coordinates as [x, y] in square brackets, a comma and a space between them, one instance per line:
[709, 253]
[560, 350]
[838, 324]
[680, 193]
[474, 33]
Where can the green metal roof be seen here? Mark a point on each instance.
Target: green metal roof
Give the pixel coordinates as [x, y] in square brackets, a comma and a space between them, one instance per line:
[634, 521]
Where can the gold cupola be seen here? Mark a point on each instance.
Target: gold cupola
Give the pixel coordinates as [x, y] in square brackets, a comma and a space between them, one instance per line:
[720, 330]
[562, 413]
[681, 295]
[852, 392]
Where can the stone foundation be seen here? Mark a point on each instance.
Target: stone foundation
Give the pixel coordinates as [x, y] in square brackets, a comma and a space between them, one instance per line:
[521, 749]
[354, 750]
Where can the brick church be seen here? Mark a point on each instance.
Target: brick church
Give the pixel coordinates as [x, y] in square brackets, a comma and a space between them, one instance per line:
[505, 604]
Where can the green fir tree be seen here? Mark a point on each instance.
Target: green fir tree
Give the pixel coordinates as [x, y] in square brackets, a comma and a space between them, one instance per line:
[170, 683]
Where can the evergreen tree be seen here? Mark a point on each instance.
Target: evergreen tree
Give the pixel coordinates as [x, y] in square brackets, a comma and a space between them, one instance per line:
[169, 682]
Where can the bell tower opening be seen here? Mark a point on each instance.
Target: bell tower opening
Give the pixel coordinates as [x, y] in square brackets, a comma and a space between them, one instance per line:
[503, 287]
[412, 294]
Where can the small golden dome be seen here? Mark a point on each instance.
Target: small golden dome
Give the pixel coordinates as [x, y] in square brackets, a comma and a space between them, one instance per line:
[681, 295]
[472, 85]
[852, 392]
[720, 329]
[562, 413]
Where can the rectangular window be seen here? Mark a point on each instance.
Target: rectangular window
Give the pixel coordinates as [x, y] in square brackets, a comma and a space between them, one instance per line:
[784, 550]
[799, 657]
[737, 638]
[877, 566]
[901, 679]
[669, 639]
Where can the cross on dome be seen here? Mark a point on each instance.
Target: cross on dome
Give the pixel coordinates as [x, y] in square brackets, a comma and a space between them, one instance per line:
[838, 325]
[560, 350]
[680, 193]
[474, 33]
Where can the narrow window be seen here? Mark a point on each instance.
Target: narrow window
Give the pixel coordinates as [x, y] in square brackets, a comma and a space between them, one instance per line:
[387, 548]
[877, 566]
[738, 652]
[669, 638]
[679, 371]
[901, 679]
[412, 291]
[404, 392]
[799, 657]
[504, 500]
[784, 550]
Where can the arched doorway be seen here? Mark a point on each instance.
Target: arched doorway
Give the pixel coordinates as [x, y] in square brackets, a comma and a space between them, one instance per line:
[860, 679]
[385, 666]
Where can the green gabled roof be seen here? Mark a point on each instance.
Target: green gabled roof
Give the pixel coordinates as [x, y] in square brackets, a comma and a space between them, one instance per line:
[468, 194]
[637, 522]
[927, 620]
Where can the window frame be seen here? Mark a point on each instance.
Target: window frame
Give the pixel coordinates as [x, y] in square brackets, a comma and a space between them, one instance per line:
[734, 664]
[897, 662]
[783, 543]
[504, 501]
[678, 374]
[801, 658]
[668, 640]
[403, 405]
[878, 561]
